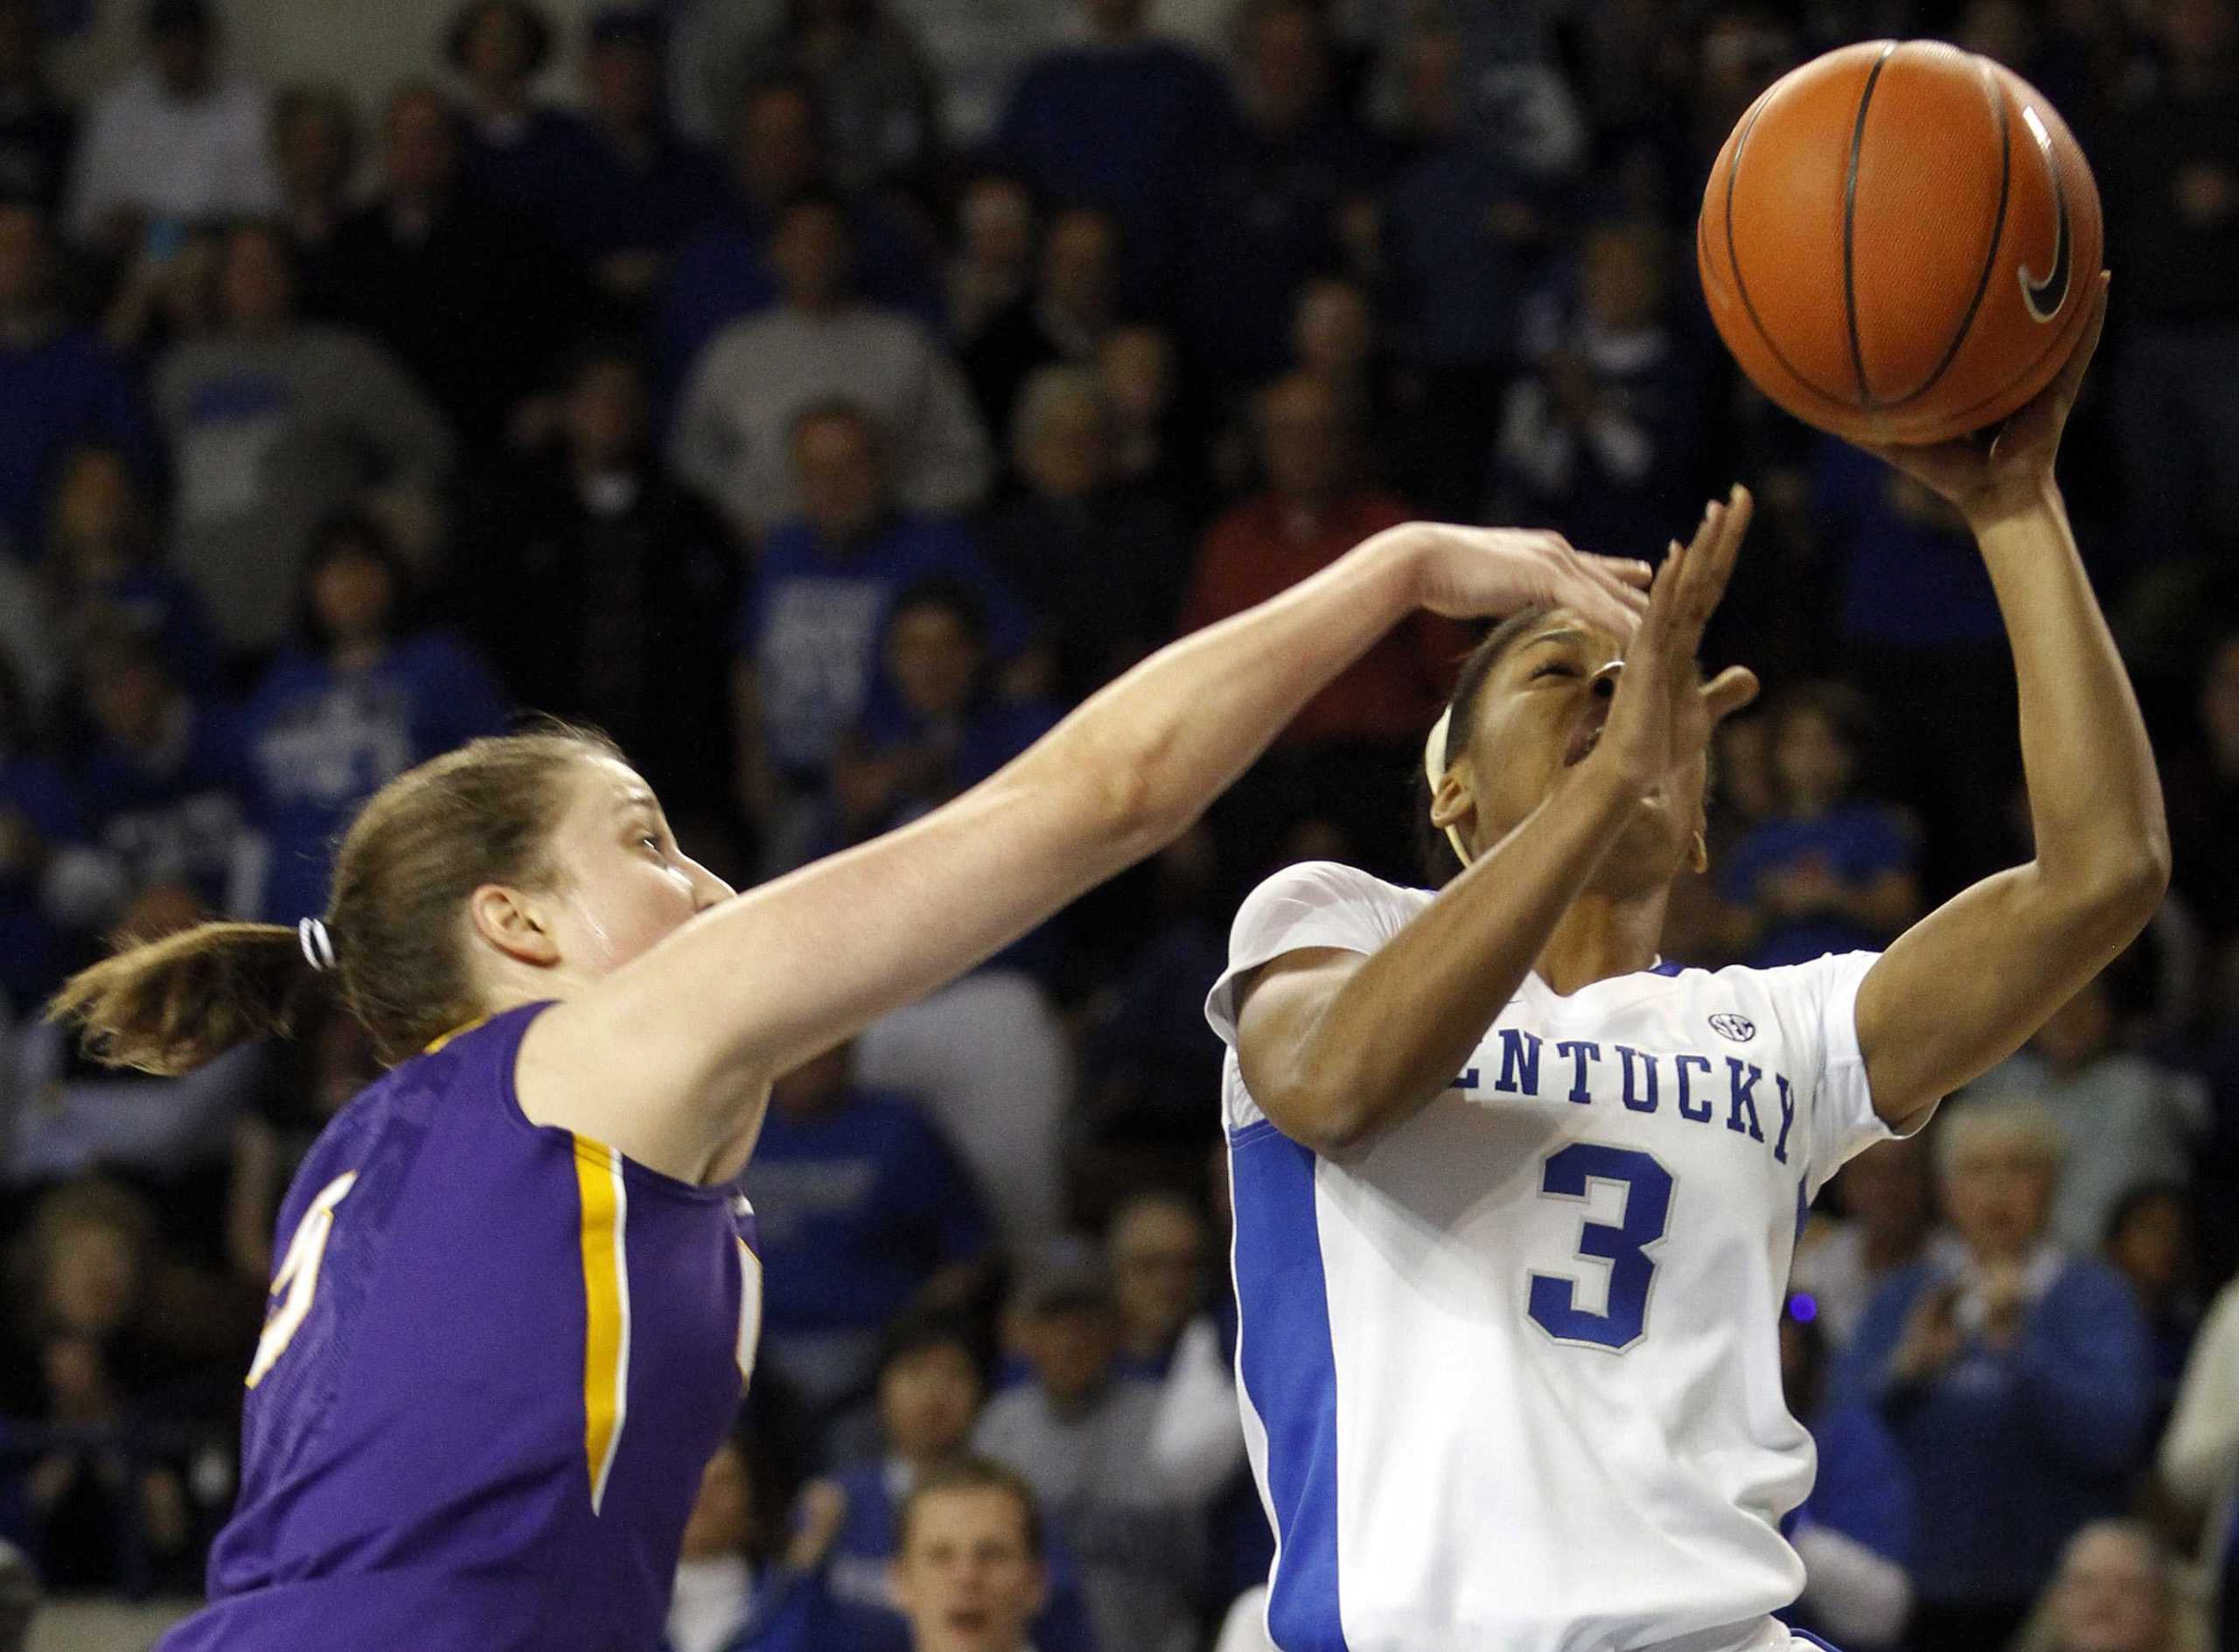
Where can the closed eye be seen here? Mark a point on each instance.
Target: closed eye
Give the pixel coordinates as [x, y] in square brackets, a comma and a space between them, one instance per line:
[1554, 668]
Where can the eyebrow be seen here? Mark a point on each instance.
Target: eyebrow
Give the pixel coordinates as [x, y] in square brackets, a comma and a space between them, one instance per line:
[1567, 634]
[638, 800]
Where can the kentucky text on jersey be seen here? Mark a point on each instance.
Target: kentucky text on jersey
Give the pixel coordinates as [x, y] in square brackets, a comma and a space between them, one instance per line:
[1640, 1081]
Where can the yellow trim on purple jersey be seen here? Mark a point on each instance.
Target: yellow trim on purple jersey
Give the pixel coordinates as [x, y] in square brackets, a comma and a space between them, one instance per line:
[459, 1031]
[605, 1204]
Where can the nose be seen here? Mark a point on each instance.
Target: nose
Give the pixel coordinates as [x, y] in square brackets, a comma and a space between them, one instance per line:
[707, 890]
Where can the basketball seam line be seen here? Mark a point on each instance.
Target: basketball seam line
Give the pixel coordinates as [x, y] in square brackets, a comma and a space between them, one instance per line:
[1990, 258]
[1734, 260]
[2057, 342]
[1850, 225]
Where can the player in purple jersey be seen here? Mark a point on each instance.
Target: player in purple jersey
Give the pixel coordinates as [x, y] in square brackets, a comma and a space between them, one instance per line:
[517, 1299]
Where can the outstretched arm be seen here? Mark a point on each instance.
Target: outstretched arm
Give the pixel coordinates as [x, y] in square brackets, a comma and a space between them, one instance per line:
[756, 985]
[1964, 987]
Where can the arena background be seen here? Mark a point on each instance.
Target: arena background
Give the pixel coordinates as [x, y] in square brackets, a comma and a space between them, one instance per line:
[821, 396]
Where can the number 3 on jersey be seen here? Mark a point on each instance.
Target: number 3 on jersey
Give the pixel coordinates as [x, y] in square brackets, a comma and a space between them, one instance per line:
[1568, 1175]
[298, 1276]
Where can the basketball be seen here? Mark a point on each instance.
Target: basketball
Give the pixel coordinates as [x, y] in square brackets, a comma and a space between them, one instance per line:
[1899, 242]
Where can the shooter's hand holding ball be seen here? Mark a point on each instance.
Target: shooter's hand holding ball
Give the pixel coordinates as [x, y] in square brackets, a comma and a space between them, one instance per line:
[1901, 244]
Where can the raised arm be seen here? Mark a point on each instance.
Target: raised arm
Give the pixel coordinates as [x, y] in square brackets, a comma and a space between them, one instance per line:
[1964, 987]
[1339, 1046]
[666, 1057]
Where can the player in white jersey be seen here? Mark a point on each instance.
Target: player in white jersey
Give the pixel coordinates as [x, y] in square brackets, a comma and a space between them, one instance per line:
[1515, 1200]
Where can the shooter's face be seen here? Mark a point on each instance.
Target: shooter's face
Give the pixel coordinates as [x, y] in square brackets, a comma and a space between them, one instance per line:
[1540, 714]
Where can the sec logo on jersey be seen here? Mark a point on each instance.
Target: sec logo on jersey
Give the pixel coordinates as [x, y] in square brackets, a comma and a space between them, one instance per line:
[1740, 1028]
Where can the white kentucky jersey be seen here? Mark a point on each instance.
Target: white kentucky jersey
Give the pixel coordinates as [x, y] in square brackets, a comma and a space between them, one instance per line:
[1510, 1377]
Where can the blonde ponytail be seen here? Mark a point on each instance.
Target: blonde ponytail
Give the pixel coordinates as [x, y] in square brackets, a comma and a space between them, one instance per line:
[168, 1006]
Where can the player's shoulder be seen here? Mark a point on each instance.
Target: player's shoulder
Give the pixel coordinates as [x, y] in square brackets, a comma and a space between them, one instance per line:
[1312, 904]
[1779, 983]
[1326, 886]
[1795, 1003]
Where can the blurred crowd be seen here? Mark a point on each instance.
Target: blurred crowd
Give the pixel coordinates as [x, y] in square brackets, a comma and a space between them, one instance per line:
[823, 399]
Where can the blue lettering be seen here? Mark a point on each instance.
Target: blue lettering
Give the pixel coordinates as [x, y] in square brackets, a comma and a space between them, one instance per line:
[1788, 1117]
[1627, 1054]
[1519, 1057]
[1579, 1052]
[1467, 1081]
[1743, 1097]
[1693, 1111]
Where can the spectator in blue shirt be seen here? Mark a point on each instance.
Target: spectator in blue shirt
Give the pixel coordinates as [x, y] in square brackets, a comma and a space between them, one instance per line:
[59, 384]
[809, 625]
[935, 726]
[1854, 1533]
[929, 1392]
[1464, 228]
[314, 152]
[1126, 121]
[1602, 431]
[861, 1208]
[876, 88]
[41, 819]
[2150, 1242]
[168, 1136]
[164, 779]
[516, 153]
[1156, 1250]
[37, 133]
[1920, 632]
[1145, 1067]
[1270, 211]
[635, 189]
[103, 566]
[2016, 1378]
[363, 696]
[1829, 872]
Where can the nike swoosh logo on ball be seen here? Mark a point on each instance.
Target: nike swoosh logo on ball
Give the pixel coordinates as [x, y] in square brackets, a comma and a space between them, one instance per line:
[2046, 294]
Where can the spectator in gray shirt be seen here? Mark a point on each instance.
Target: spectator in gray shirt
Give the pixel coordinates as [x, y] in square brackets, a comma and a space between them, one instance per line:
[2124, 1118]
[273, 423]
[820, 344]
[1084, 1438]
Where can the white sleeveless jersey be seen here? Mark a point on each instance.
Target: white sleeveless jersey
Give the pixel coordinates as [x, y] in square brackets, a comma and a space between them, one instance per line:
[1510, 1379]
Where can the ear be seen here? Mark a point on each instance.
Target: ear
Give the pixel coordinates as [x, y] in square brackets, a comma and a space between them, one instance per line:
[1454, 805]
[898, 1583]
[510, 921]
[1041, 1588]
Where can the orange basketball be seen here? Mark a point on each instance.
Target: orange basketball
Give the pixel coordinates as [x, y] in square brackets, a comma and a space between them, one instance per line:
[1900, 242]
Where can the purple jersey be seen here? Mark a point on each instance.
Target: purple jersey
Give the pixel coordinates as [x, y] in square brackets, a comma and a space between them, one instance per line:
[497, 1358]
